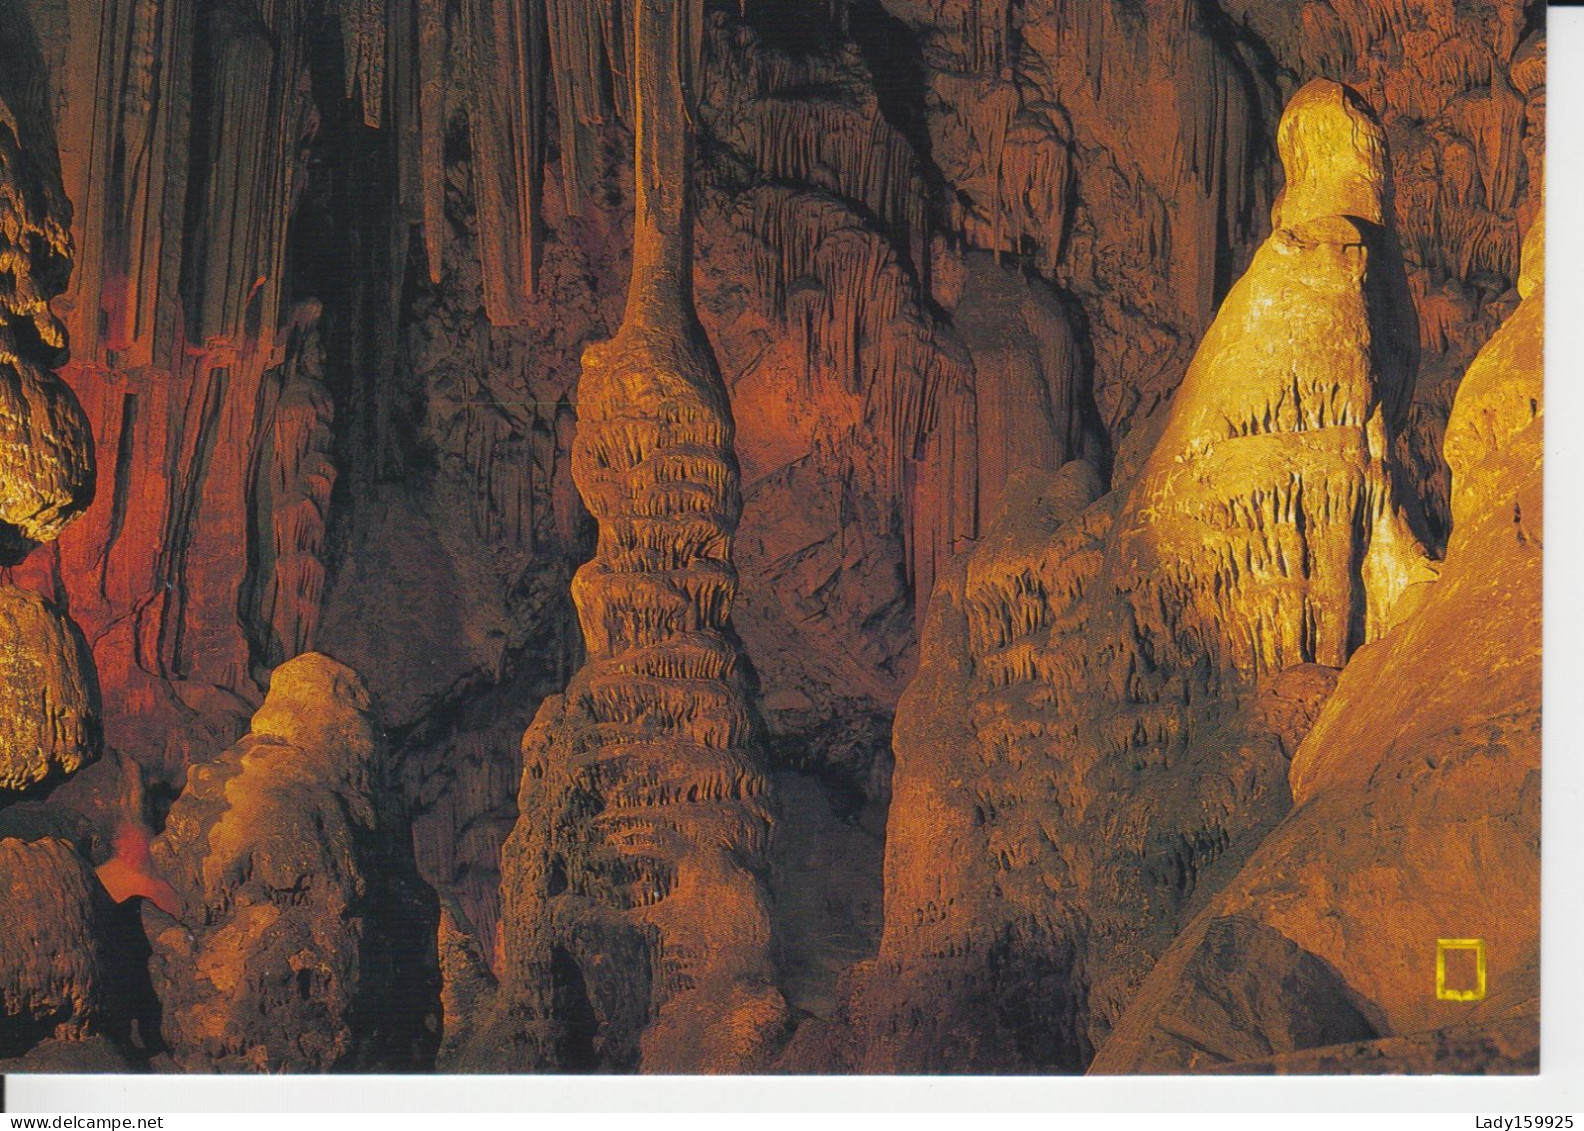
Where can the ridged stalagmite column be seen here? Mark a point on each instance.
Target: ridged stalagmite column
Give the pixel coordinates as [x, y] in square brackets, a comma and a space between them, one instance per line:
[636, 931]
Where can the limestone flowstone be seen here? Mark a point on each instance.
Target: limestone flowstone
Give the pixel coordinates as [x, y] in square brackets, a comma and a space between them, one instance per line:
[306, 939]
[49, 700]
[1417, 812]
[635, 926]
[1096, 737]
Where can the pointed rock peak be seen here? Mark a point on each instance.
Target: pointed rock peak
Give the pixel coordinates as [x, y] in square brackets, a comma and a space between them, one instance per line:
[1334, 151]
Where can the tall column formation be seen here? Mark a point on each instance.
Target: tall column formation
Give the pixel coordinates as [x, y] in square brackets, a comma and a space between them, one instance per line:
[636, 930]
[48, 698]
[1111, 686]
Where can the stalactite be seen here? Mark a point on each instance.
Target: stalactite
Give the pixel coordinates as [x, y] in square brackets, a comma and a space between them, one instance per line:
[290, 496]
[363, 44]
[506, 115]
[257, 119]
[123, 90]
[431, 63]
[808, 120]
[589, 45]
[841, 286]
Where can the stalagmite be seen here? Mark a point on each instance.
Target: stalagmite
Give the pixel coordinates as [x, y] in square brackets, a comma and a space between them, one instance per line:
[635, 929]
[306, 939]
[55, 973]
[306, 325]
[1396, 844]
[1090, 747]
[49, 699]
[1272, 474]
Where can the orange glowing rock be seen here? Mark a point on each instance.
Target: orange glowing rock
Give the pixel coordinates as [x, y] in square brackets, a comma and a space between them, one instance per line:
[1417, 809]
[130, 871]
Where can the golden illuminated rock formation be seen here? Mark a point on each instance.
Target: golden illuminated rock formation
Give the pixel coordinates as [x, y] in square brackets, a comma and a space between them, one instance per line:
[1266, 529]
[306, 939]
[327, 270]
[49, 702]
[57, 974]
[46, 454]
[1417, 800]
[636, 931]
[46, 449]
[1100, 728]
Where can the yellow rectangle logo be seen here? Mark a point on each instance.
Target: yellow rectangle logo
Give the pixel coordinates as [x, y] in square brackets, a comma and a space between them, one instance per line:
[1460, 993]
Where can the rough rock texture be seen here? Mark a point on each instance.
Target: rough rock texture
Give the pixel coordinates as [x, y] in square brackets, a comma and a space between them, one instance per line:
[1416, 813]
[1120, 150]
[636, 931]
[448, 188]
[53, 973]
[46, 455]
[1461, 92]
[49, 700]
[62, 982]
[180, 134]
[46, 452]
[305, 940]
[1492, 1048]
[49, 704]
[1086, 752]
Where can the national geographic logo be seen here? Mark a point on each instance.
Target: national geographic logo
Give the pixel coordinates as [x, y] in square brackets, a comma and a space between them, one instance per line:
[1460, 969]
